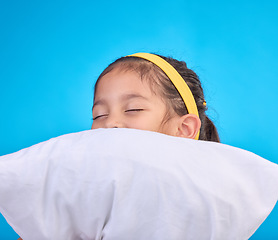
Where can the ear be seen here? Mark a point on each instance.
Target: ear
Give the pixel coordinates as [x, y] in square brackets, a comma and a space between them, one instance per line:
[189, 126]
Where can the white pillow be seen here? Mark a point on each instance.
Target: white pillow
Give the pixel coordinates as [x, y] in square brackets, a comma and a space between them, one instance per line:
[124, 184]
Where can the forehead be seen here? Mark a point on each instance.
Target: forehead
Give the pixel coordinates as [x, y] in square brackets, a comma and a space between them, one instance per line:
[118, 81]
[130, 73]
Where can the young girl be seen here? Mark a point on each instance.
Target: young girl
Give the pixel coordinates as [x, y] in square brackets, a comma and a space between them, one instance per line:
[151, 92]
[155, 93]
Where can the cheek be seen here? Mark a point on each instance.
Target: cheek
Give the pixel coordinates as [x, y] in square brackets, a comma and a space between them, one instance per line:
[96, 125]
[171, 126]
[93, 126]
[145, 123]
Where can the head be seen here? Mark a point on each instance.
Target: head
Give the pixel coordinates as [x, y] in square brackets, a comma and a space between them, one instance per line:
[135, 93]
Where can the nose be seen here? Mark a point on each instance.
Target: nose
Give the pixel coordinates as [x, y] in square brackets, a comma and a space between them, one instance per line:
[114, 121]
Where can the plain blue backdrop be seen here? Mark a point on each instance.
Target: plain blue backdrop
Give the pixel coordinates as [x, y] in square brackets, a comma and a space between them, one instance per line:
[51, 53]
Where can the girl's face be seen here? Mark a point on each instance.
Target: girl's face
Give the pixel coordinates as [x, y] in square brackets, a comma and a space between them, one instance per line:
[123, 100]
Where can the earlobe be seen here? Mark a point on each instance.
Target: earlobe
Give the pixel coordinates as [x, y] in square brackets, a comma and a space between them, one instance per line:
[189, 126]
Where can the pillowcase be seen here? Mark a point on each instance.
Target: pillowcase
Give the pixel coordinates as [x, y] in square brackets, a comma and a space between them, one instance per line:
[122, 184]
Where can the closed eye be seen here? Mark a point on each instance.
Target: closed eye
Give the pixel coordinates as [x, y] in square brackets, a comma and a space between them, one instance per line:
[134, 110]
[99, 116]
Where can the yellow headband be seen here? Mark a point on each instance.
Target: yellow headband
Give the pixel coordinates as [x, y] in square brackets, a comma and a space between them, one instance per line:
[176, 79]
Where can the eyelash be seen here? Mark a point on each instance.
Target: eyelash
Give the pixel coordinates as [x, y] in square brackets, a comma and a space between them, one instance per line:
[129, 110]
[134, 110]
[99, 117]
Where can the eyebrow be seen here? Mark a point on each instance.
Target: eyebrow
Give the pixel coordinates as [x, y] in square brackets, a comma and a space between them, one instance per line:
[99, 102]
[125, 97]
[132, 96]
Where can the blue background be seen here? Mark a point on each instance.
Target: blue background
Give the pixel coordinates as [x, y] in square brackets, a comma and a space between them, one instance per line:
[51, 52]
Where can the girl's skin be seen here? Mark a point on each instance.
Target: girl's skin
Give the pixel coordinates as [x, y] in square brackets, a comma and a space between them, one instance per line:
[123, 100]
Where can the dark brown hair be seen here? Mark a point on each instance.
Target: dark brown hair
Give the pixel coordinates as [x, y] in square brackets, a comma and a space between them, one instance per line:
[161, 84]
